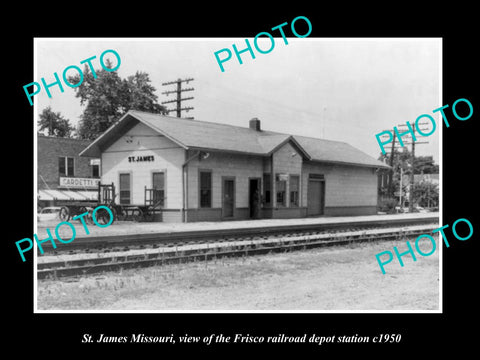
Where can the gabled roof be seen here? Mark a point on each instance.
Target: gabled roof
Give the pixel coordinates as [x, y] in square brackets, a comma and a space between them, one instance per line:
[195, 134]
[336, 151]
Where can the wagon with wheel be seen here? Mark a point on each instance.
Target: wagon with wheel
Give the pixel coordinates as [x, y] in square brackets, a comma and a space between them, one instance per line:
[150, 210]
[70, 209]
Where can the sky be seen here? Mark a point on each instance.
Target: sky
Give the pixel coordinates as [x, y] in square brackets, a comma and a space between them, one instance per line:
[334, 88]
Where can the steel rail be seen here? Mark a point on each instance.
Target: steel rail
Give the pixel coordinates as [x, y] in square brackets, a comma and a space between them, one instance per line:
[68, 268]
[149, 239]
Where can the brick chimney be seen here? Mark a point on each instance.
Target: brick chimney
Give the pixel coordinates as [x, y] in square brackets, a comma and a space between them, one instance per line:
[255, 124]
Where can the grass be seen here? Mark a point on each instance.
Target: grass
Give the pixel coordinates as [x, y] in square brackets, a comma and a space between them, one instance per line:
[335, 277]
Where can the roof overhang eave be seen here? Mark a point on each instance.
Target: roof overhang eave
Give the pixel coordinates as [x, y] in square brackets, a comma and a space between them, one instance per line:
[94, 148]
[377, 166]
[291, 138]
[94, 145]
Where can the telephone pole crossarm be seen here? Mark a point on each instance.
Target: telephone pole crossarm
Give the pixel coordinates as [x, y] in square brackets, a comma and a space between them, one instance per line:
[178, 81]
[396, 141]
[178, 92]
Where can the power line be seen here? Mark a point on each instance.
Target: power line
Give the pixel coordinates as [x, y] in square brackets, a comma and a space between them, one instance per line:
[263, 100]
[178, 99]
[412, 158]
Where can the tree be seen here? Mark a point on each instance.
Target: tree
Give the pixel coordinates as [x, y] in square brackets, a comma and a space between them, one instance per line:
[140, 95]
[421, 164]
[401, 164]
[54, 123]
[424, 194]
[107, 97]
[425, 165]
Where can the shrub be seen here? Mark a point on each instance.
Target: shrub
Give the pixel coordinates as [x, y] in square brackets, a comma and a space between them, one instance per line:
[387, 205]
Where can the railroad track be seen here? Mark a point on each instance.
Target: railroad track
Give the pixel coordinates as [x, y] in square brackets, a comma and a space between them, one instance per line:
[176, 251]
[140, 241]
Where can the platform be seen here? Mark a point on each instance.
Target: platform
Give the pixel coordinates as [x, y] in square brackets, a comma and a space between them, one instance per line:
[129, 227]
[167, 250]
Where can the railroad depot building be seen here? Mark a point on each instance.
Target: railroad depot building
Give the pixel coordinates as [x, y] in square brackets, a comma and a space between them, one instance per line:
[63, 176]
[206, 171]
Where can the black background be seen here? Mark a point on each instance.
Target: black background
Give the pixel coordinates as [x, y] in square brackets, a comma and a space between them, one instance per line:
[59, 335]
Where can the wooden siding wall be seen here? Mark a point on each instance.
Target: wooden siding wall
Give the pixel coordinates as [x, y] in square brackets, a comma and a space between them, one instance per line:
[242, 167]
[286, 160]
[169, 158]
[345, 186]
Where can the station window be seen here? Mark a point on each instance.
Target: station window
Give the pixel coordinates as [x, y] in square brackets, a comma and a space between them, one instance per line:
[70, 167]
[95, 170]
[158, 185]
[281, 189]
[294, 187]
[266, 189]
[125, 189]
[205, 189]
[65, 166]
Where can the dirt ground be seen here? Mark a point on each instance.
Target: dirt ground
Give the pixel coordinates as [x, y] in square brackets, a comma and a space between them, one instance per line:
[335, 278]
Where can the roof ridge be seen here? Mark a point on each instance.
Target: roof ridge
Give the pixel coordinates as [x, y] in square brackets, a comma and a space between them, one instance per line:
[322, 139]
[60, 137]
[234, 138]
[261, 132]
[150, 113]
[264, 132]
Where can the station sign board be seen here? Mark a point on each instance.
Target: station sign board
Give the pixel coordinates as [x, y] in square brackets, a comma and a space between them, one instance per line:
[79, 183]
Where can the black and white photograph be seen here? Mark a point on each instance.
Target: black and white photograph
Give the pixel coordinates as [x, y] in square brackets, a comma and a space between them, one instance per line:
[253, 186]
[232, 180]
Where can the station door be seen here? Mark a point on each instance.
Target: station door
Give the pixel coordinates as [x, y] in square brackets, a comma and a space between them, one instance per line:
[316, 195]
[228, 197]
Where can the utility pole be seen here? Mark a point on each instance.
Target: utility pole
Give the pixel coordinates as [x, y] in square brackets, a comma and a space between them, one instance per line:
[401, 184]
[179, 99]
[410, 198]
[412, 162]
[412, 159]
[390, 173]
[390, 190]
